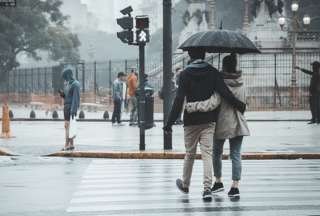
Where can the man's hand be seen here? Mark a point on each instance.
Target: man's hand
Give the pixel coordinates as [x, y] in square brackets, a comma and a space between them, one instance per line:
[296, 67]
[167, 129]
[61, 93]
[242, 108]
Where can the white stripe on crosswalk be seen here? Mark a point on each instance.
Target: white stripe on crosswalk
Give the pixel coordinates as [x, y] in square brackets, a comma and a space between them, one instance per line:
[127, 187]
[170, 205]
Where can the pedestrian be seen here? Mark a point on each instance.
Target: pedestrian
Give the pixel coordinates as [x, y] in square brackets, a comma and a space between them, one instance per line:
[133, 102]
[314, 91]
[71, 96]
[197, 83]
[231, 125]
[117, 96]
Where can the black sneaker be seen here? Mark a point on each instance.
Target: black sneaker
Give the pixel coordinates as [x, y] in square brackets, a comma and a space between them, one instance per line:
[207, 195]
[234, 192]
[180, 186]
[217, 187]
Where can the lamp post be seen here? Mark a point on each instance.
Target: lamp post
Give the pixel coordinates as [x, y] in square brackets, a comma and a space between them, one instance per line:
[295, 28]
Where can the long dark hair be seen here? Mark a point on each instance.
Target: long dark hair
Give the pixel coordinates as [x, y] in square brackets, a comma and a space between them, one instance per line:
[229, 64]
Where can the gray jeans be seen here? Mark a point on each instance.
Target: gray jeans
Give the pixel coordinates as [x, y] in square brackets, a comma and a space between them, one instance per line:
[193, 135]
[235, 156]
[133, 104]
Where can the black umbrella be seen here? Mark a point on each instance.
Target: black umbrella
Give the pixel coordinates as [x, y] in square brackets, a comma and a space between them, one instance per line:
[220, 41]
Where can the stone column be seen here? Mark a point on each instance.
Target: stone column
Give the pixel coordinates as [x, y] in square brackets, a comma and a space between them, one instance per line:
[211, 10]
[246, 23]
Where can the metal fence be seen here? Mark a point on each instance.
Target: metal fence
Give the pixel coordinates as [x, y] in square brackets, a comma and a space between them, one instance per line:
[267, 77]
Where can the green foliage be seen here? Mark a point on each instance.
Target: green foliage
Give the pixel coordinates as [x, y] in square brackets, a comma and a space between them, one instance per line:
[33, 26]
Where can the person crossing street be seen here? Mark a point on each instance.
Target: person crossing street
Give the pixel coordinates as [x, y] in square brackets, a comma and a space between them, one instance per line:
[197, 83]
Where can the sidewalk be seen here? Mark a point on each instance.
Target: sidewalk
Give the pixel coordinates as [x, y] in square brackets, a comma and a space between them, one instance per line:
[24, 113]
[43, 138]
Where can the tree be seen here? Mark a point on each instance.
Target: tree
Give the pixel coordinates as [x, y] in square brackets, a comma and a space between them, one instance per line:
[33, 26]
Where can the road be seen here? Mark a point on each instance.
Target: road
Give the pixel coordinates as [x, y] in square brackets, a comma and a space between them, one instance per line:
[54, 186]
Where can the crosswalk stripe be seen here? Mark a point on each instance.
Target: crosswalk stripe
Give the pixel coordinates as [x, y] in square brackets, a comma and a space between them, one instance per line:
[135, 187]
[168, 205]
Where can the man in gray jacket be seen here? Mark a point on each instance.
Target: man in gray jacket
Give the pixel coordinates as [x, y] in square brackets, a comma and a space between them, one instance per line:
[117, 96]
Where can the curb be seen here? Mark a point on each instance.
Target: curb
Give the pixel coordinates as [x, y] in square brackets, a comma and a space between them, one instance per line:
[180, 155]
[5, 152]
[156, 120]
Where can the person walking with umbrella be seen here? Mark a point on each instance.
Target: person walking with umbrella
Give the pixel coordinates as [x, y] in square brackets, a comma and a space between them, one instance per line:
[197, 83]
[314, 90]
[231, 124]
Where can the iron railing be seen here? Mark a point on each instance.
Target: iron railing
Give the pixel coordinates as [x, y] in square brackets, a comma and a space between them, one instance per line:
[267, 78]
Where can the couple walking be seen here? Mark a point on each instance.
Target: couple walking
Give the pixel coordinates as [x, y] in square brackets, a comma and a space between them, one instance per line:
[208, 123]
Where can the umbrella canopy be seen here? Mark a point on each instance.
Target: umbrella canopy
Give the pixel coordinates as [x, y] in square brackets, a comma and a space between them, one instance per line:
[220, 41]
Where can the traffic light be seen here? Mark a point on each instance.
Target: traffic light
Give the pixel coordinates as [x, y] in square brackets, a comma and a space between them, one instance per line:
[126, 23]
[142, 32]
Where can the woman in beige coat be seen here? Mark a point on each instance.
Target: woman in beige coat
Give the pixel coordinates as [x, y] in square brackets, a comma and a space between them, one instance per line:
[231, 125]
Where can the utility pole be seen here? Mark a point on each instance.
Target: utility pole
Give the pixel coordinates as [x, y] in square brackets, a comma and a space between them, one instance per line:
[167, 69]
[142, 98]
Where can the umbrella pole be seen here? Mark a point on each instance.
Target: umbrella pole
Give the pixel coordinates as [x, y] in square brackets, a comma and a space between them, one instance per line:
[219, 61]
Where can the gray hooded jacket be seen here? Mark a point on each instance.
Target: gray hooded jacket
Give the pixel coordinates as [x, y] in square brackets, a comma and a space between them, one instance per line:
[71, 91]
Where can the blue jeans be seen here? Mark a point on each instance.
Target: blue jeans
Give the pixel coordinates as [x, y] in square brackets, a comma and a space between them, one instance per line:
[235, 156]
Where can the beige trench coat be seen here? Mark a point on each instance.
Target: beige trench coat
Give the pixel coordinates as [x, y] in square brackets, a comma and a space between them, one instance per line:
[231, 123]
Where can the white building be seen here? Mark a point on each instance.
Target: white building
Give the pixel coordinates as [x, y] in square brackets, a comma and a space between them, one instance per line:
[80, 17]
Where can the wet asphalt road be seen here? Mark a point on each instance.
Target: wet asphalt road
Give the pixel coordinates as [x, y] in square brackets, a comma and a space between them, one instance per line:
[61, 186]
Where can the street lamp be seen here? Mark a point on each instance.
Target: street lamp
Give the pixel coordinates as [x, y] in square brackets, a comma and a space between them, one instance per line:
[295, 6]
[306, 20]
[282, 21]
[295, 27]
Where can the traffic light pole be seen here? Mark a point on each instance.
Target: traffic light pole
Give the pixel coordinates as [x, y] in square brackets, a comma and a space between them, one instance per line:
[167, 69]
[142, 96]
[142, 37]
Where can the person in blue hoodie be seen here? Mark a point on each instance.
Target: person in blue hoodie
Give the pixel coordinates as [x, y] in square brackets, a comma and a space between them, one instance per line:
[198, 82]
[71, 96]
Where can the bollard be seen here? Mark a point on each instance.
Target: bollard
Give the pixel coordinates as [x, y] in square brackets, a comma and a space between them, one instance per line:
[106, 115]
[11, 114]
[5, 133]
[55, 114]
[81, 115]
[32, 114]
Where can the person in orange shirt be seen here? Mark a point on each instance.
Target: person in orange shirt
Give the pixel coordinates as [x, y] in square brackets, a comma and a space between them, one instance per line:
[133, 102]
